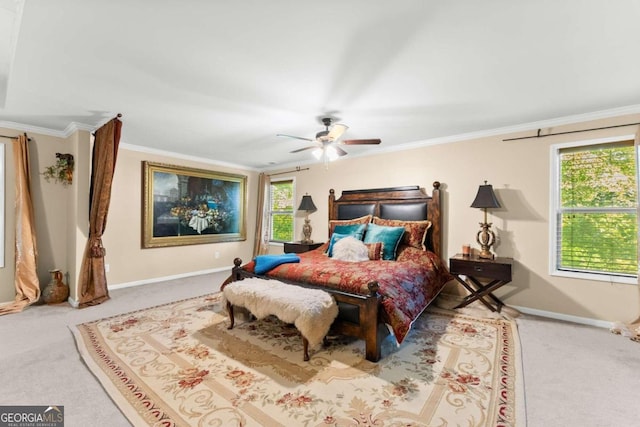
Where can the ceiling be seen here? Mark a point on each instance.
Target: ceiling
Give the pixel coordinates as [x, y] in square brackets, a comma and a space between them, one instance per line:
[219, 79]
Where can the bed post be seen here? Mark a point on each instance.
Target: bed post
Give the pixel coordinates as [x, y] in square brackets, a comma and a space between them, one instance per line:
[434, 210]
[332, 209]
[369, 319]
[236, 273]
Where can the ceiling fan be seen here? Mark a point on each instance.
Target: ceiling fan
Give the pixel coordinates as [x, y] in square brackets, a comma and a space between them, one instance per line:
[327, 142]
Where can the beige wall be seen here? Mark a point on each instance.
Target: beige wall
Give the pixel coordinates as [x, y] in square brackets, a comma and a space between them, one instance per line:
[518, 170]
[51, 208]
[128, 262]
[520, 174]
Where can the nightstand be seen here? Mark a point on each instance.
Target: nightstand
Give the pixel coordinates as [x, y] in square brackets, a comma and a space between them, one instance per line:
[497, 271]
[299, 247]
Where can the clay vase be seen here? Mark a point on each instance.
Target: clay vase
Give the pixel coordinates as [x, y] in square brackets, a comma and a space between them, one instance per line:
[56, 291]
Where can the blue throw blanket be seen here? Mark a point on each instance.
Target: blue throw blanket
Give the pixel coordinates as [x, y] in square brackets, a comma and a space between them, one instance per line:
[265, 263]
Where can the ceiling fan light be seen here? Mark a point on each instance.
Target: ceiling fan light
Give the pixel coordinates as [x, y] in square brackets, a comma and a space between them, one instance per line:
[331, 153]
[317, 153]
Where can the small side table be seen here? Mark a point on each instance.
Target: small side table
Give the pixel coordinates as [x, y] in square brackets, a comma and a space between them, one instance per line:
[299, 247]
[497, 271]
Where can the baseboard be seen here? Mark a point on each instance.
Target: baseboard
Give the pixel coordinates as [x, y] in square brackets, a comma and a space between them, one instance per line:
[76, 304]
[548, 314]
[166, 278]
[565, 317]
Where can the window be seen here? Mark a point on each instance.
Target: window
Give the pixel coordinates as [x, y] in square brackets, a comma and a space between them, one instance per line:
[594, 223]
[2, 196]
[281, 211]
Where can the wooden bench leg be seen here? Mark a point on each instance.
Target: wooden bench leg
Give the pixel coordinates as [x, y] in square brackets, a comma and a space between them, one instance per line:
[231, 318]
[305, 342]
[305, 345]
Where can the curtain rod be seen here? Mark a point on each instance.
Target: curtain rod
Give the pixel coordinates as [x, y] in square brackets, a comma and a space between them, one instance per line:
[116, 117]
[571, 131]
[297, 169]
[13, 137]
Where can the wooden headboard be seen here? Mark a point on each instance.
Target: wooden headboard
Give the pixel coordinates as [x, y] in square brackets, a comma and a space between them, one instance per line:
[408, 203]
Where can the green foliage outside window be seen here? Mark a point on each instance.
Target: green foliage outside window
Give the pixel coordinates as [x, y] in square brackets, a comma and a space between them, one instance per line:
[598, 217]
[282, 211]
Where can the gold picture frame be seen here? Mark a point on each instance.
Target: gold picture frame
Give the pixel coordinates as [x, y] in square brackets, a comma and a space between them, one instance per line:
[189, 206]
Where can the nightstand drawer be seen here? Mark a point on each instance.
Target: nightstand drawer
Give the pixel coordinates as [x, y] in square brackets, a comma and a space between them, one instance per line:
[490, 269]
[299, 247]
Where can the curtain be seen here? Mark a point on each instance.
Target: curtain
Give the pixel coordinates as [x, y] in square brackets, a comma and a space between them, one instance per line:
[261, 242]
[632, 330]
[26, 278]
[93, 279]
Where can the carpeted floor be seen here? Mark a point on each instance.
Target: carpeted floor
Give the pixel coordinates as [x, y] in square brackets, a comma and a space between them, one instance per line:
[574, 375]
[178, 364]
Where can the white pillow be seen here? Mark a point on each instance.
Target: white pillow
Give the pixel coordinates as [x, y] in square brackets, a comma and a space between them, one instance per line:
[350, 249]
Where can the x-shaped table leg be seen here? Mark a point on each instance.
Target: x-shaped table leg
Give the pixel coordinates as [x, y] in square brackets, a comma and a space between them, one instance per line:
[480, 291]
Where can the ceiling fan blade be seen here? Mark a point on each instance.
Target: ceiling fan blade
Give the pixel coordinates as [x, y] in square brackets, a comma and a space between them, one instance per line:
[295, 137]
[340, 151]
[361, 141]
[336, 131]
[303, 149]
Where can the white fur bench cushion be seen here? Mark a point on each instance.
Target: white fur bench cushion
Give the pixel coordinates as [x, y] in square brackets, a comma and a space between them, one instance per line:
[312, 311]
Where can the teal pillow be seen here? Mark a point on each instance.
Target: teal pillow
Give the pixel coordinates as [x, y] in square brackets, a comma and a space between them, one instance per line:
[389, 236]
[355, 230]
[340, 231]
[334, 238]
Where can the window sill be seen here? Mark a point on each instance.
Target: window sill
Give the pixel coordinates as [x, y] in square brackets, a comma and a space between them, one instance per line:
[596, 277]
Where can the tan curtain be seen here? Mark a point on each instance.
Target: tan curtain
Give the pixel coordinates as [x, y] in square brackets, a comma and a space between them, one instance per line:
[261, 242]
[26, 279]
[632, 329]
[93, 279]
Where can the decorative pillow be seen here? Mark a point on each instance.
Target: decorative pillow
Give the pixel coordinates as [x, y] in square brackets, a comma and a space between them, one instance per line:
[375, 250]
[361, 220]
[334, 238]
[389, 236]
[355, 230]
[415, 231]
[350, 249]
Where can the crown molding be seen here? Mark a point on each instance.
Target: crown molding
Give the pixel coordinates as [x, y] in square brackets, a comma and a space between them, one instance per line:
[174, 155]
[34, 129]
[560, 121]
[71, 128]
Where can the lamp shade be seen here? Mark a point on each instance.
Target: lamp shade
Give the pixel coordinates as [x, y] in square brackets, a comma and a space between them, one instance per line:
[485, 198]
[307, 204]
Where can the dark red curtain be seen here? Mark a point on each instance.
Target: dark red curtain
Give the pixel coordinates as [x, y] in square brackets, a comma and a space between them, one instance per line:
[93, 278]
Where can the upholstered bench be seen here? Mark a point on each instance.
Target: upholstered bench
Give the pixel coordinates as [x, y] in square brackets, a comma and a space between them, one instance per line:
[312, 311]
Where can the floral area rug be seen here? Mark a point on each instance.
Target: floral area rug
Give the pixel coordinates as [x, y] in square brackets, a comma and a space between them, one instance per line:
[179, 365]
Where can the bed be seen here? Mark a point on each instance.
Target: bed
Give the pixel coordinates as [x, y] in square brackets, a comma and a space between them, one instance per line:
[377, 295]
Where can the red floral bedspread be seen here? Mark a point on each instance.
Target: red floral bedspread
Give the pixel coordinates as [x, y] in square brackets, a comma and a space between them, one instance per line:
[407, 285]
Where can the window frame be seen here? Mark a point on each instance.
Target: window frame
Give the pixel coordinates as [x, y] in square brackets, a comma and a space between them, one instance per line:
[293, 210]
[554, 207]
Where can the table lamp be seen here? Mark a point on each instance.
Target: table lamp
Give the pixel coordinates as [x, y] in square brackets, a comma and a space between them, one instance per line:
[307, 206]
[485, 199]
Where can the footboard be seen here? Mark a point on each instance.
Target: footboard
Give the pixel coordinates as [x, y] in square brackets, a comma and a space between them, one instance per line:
[358, 315]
